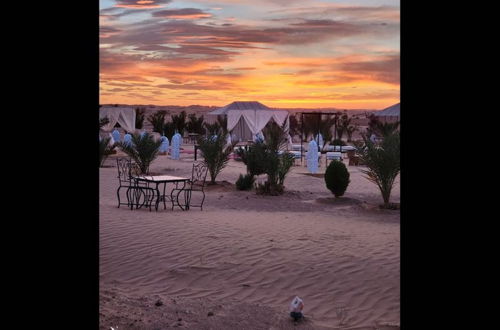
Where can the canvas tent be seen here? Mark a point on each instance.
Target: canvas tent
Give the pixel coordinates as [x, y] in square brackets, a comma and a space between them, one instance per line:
[390, 114]
[121, 115]
[247, 118]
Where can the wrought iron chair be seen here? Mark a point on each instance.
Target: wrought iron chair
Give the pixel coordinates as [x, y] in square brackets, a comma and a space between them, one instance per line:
[135, 190]
[197, 183]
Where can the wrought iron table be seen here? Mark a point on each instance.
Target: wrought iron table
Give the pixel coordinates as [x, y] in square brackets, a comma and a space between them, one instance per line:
[164, 179]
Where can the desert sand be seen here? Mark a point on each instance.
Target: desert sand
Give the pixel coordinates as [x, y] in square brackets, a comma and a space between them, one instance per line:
[238, 263]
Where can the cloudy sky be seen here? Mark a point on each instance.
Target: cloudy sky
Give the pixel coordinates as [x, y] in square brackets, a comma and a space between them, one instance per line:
[283, 53]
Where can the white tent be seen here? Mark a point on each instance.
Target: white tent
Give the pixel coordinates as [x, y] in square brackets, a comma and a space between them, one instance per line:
[390, 114]
[248, 118]
[123, 116]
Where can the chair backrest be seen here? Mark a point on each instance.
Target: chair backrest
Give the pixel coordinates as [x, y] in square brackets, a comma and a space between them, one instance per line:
[126, 169]
[199, 174]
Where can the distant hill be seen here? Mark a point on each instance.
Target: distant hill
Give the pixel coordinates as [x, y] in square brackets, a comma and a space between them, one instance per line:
[201, 109]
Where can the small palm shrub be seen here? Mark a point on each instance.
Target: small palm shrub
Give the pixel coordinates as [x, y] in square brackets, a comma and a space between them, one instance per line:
[265, 157]
[104, 150]
[254, 158]
[143, 150]
[337, 178]
[215, 153]
[383, 163]
[286, 162]
[245, 182]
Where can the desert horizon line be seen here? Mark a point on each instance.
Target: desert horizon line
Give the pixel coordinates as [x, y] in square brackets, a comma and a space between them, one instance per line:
[220, 106]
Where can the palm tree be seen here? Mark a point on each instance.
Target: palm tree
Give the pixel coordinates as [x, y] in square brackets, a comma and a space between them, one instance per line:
[139, 117]
[325, 129]
[215, 152]
[157, 119]
[195, 125]
[385, 129]
[179, 122]
[143, 150]
[350, 131]
[276, 165]
[212, 129]
[383, 162]
[222, 120]
[104, 150]
[103, 122]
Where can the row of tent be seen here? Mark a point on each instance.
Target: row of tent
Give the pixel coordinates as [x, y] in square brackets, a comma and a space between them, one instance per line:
[246, 119]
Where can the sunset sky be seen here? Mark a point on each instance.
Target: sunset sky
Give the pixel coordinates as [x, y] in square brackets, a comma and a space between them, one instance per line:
[282, 53]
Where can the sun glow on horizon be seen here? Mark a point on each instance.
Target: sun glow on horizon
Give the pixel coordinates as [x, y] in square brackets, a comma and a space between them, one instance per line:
[314, 54]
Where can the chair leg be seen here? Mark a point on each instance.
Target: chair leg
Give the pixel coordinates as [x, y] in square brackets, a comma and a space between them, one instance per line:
[172, 198]
[118, 194]
[187, 199]
[202, 200]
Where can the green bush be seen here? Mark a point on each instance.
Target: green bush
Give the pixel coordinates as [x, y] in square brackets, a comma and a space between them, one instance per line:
[337, 178]
[245, 182]
[143, 150]
[254, 158]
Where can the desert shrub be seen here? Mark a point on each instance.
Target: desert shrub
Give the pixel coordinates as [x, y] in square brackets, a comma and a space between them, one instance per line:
[337, 178]
[215, 153]
[139, 117]
[157, 119]
[143, 150]
[245, 182]
[383, 163]
[267, 188]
